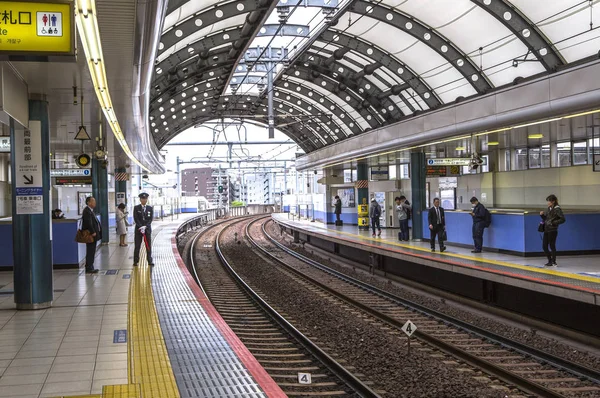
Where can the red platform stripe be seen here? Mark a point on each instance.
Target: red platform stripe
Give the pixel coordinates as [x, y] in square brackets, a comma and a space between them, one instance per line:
[259, 374]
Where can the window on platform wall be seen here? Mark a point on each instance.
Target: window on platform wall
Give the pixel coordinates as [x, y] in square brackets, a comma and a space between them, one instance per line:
[594, 145]
[393, 172]
[354, 175]
[404, 171]
[520, 159]
[347, 175]
[534, 158]
[580, 152]
[546, 155]
[564, 154]
[485, 168]
[507, 160]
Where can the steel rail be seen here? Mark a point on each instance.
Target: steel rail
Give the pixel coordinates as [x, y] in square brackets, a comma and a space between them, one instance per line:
[336, 368]
[503, 374]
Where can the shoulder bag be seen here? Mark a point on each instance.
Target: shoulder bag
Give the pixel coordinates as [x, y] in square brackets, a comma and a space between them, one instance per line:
[83, 236]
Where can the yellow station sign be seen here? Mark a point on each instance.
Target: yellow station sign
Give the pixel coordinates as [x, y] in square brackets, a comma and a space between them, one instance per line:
[41, 28]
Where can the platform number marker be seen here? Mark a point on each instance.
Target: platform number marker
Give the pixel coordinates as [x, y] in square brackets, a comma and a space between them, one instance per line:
[304, 378]
[409, 328]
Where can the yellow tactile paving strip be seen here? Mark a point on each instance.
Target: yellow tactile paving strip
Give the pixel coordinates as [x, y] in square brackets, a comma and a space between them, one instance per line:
[149, 364]
[150, 374]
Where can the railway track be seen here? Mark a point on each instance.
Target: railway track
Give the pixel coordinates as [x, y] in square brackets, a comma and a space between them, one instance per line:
[285, 353]
[528, 369]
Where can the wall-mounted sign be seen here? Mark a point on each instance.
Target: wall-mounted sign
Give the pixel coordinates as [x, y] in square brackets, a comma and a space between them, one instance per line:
[451, 161]
[4, 144]
[73, 181]
[70, 173]
[380, 173]
[44, 28]
[436, 171]
[28, 169]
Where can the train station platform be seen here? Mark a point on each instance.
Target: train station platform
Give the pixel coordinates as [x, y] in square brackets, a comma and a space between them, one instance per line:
[500, 279]
[125, 332]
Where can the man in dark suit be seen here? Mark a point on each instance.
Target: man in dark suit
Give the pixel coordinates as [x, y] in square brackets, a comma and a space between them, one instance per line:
[142, 216]
[437, 224]
[90, 223]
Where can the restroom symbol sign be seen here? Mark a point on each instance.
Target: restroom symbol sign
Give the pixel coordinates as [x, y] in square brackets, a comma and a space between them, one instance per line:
[49, 23]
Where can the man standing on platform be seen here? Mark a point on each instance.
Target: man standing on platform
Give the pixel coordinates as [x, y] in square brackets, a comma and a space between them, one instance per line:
[480, 221]
[338, 209]
[437, 224]
[90, 223]
[142, 216]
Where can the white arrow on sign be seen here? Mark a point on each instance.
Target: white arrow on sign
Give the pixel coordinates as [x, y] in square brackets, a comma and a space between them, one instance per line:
[409, 328]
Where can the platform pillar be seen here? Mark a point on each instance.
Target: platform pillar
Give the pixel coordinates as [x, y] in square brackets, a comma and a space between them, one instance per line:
[31, 221]
[100, 192]
[362, 194]
[418, 187]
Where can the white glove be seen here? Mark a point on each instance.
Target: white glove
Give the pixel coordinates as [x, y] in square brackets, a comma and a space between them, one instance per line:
[142, 230]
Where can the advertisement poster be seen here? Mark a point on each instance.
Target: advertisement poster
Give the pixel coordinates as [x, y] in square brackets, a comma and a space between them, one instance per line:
[347, 197]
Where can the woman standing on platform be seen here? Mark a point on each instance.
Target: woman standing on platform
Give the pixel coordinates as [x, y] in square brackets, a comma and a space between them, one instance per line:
[552, 218]
[121, 216]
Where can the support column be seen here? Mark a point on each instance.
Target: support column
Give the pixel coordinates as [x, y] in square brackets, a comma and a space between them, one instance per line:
[418, 187]
[100, 192]
[31, 221]
[120, 186]
[362, 195]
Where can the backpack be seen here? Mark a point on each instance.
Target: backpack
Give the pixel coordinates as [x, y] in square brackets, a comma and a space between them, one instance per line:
[488, 218]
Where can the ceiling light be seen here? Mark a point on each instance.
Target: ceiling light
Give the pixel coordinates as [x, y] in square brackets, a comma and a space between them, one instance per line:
[493, 143]
[87, 26]
[461, 148]
[535, 136]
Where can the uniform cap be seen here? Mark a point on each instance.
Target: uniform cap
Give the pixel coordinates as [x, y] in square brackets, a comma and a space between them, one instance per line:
[143, 195]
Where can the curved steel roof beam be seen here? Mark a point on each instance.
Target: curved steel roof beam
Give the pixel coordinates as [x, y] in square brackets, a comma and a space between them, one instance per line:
[518, 23]
[205, 18]
[191, 53]
[362, 106]
[355, 82]
[430, 37]
[171, 80]
[190, 112]
[361, 47]
[310, 95]
[291, 130]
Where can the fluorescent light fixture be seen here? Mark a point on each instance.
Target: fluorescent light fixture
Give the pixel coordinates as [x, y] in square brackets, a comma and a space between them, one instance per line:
[535, 136]
[493, 143]
[460, 148]
[87, 26]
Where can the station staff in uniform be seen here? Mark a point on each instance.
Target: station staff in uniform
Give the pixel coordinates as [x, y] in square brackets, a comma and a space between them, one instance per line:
[437, 224]
[142, 216]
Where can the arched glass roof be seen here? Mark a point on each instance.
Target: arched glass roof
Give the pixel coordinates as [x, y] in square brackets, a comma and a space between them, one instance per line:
[345, 67]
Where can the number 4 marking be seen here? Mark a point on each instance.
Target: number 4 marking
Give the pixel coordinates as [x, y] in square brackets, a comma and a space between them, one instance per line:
[409, 328]
[304, 378]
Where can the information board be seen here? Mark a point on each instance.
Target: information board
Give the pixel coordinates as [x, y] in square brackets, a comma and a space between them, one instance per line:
[28, 170]
[436, 171]
[70, 173]
[44, 28]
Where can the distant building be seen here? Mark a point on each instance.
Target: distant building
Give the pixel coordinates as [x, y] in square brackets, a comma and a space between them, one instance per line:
[260, 188]
[240, 192]
[205, 182]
